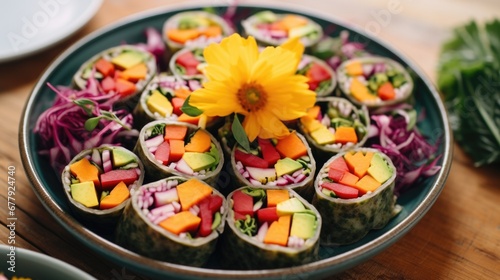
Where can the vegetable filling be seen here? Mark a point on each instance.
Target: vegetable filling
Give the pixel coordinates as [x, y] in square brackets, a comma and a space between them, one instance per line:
[273, 217]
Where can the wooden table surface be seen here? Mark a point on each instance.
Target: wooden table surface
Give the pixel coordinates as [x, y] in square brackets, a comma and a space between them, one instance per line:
[459, 238]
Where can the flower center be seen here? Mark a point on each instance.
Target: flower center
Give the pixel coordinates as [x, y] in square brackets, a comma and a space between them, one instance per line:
[252, 97]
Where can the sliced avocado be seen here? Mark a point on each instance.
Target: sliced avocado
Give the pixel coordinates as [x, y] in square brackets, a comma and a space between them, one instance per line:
[191, 22]
[323, 136]
[301, 31]
[379, 169]
[158, 103]
[290, 206]
[85, 193]
[286, 166]
[303, 225]
[121, 157]
[198, 161]
[266, 16]
[127, 60]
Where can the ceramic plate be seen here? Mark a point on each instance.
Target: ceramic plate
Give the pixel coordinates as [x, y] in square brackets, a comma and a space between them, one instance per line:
[28, 27]
[332, 260]
[35, 265]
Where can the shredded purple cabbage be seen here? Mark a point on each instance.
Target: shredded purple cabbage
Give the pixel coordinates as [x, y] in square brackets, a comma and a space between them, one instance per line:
[229, 15]
[154, 43]
[61, 127]
[412, 154]
[348, 50]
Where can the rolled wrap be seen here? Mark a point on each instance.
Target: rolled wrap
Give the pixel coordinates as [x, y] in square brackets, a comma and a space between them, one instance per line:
[259, 26]
[300, 180]
[140, 228]
[371, 66]
[334, 112]
[156, 170]
[346, 221]
[243, 251]
[196, 22]
[171, 90]
[103, 158]
[127, 99]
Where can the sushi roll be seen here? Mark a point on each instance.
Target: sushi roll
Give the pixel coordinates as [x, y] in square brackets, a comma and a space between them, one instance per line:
[174, 148]
[333, 125]
[355, 194]
[271, 29]
[374, 81]
[194, 28]
[98, 181]
[285, 163]
[124, 70]
[163, 99]
[269, 228]
[175, 219]
[322, 78]
[187, 64]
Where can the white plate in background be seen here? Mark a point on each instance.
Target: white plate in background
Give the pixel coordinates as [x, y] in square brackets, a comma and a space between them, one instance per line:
[34, 265]
[27, 26]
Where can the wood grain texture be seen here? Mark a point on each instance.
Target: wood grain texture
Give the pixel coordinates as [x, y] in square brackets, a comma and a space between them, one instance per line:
[459, 238]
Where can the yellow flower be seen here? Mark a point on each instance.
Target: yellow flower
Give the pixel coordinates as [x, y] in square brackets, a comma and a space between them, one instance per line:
[262, 86]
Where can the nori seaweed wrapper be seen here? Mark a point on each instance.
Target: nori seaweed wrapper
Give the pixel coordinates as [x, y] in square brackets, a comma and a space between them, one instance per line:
[136, 232]
[129, 101]
[94, 215]
[346, 221]
[376, 65]
[156, 170]
[240, 251]
[335, 111]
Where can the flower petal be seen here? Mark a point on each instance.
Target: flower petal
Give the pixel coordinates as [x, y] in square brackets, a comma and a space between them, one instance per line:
[271, 126]
[284, 62]
[236, 63]
[252, 126]
[216, 100]
[294, 45]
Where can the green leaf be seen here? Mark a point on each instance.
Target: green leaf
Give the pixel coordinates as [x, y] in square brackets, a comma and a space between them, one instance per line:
[247, 226]
[86, 104]
[92, 123]
[258, 193]
[469, 78]
[158, 129]
[239, 134]
[190, 110]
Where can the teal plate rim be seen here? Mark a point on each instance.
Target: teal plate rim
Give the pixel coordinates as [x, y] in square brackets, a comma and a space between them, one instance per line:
[415, 202]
